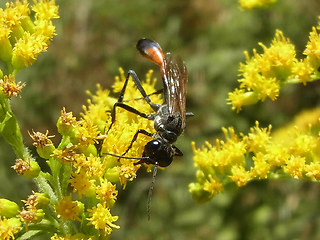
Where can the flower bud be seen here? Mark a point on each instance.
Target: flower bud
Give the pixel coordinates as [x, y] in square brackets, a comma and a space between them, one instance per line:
[39, 215]
[112, 175]
[67, 124]
[42, 200]
[88, 150]
[8, 208]
[46, 151]
[14, 224]
[16, 33]
[33, 171]
[5, 50]
[80, 207]
[198, 193]
[27, 24]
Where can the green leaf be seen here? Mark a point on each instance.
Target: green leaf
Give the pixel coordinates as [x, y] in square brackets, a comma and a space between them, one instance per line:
[29, 234]
[9, 127]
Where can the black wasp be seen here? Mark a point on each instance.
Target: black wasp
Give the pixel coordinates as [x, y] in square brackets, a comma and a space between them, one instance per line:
[169, 117]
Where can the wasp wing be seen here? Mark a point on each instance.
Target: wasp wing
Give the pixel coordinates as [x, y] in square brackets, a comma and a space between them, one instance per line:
[175, 79]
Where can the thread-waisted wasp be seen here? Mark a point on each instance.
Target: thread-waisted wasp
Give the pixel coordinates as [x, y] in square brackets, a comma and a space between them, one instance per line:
[169, 118]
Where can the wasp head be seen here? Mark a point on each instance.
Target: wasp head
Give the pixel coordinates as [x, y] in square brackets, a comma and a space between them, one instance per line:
[160, 152]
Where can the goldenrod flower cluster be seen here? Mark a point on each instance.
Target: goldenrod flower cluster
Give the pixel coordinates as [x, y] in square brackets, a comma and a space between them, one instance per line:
[263, 74]
[79, 162]
[252, 4]
[292, 151]
[21, 38]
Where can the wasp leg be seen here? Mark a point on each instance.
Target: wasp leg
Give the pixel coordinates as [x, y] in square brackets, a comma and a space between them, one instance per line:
[120, 103]
[129, 109]
[140, 98]
[140, 131]
[137, 82]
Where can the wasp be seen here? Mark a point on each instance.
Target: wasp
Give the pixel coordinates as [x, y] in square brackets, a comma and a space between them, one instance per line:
[169, 118]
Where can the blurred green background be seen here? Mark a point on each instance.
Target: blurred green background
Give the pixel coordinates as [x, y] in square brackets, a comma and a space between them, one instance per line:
[95, 38]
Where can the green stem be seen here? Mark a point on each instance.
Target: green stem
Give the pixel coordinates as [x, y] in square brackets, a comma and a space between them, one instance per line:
[46, 188]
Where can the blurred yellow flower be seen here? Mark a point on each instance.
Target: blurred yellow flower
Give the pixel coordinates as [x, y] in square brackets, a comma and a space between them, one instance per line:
[251, 4]
[263, 74]
[292, 151]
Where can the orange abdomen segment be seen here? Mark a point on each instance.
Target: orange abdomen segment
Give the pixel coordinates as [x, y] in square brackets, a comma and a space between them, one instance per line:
[151, 50]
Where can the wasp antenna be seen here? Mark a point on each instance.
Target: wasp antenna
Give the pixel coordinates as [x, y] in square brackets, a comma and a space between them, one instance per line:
[120, 156]
[155, 170]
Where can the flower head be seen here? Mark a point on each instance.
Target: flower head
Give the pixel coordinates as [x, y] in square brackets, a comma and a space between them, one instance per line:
[9, 227]
[9, 86]
[68, 209]
[23, 39]
[101, 219]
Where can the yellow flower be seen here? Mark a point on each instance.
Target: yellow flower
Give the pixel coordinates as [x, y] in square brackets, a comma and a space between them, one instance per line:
[239, 98]
[302, 70]
[240, 176]
[251, 4]
[101, 219]
[82, 184]
[295, 166]
[27, 49]
[312, 50]
[261, 167]
[14, 13]
[9, 227]
[127, 171]
[293, 150]
[45, 9]
[263, 74]
[27, 38]
[280, 57]
[258, 138]
[67, 209]
[107, 192]
[98, 110]
[276, 154]
[313, 171]
[213, 186]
